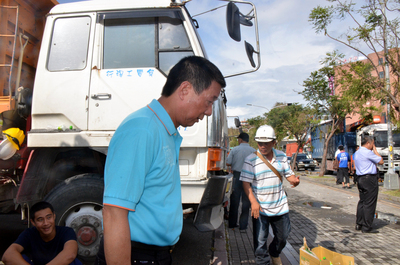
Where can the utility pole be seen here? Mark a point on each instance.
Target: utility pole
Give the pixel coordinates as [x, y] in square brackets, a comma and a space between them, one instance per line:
[391, 179]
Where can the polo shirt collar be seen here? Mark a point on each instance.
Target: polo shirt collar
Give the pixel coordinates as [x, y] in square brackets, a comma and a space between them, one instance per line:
[163, 116]
[273, 157]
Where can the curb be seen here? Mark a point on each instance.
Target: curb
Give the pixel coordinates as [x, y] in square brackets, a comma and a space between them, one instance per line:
[220, 253]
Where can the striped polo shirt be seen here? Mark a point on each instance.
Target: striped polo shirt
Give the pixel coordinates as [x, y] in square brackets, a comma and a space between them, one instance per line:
[266, 186]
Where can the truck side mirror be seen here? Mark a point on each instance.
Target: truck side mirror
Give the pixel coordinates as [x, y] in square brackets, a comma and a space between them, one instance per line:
[233, 21]
[237, 123]
[249, 52]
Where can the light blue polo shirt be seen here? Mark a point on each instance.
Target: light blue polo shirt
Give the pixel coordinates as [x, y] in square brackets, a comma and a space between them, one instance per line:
[142, 175]
[365, 161]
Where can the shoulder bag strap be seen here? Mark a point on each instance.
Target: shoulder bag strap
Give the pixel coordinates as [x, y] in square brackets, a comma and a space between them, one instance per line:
[269, 165]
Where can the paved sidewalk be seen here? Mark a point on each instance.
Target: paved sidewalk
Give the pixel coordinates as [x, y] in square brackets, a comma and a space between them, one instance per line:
[324, 213]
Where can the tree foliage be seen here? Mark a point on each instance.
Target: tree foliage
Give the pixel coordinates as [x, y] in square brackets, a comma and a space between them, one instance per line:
[375, 25]
[294, 121]
[323, 102]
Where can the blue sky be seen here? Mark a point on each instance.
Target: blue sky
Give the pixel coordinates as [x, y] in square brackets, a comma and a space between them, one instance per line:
[290, 51]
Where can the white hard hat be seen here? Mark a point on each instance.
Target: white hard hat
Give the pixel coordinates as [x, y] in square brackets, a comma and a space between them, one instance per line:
[265, 134]
[7, 149]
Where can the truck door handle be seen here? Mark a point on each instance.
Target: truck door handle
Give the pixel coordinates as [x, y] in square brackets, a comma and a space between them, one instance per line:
[101, 96]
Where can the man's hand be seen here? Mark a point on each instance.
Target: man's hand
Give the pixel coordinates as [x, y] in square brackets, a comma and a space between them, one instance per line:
[255, 209]
[255, 206]
[293, 180]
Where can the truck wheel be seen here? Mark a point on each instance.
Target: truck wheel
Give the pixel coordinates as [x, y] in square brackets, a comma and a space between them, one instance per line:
[78, 203]
[296, 167]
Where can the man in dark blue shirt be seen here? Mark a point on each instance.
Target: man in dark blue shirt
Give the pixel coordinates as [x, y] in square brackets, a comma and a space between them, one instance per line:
[365, 160]
[44, 243]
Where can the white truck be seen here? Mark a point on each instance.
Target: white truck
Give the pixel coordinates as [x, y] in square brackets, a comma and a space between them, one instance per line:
[379, 133]
[99, 61]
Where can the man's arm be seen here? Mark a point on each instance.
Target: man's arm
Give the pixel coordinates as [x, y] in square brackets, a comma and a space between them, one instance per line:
[255, 206]
[117, 236]
[376, 153]
[13, 255]
[67, 255]
[293, 180]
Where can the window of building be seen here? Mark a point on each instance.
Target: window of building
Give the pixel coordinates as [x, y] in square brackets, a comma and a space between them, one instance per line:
[69, 44]
[381, 74]
[380, 61]
[144, 39]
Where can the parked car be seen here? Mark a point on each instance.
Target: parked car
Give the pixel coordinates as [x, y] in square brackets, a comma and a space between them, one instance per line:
[303, 162]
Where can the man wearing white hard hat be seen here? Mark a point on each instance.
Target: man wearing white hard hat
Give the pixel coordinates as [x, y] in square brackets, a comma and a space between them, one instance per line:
[262, 177]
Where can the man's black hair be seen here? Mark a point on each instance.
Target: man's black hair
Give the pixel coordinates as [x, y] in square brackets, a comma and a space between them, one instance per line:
[198, 71]
[366, 139]
[341, 147]
[38, 207]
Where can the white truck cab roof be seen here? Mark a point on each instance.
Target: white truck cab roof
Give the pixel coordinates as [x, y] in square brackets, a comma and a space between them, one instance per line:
[107, 5]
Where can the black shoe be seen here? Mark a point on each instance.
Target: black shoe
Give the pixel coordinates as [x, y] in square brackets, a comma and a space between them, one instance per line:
[343, 187]
[372, 231]
[358, 227]
[349, 187]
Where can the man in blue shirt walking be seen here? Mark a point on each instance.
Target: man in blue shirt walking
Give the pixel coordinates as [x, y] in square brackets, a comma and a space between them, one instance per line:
[344, 167]
[366, 159]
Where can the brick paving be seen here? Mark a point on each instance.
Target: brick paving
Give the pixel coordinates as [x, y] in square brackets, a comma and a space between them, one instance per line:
[331, 227]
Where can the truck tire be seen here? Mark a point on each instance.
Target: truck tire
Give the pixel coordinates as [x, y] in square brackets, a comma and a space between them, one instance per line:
[78, 203]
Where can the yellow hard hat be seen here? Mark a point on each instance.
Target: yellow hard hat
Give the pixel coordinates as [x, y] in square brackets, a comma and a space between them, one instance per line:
[16, 136]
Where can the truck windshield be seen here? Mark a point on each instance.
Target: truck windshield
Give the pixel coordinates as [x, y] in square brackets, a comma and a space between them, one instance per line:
[381, 137]
[153, 41]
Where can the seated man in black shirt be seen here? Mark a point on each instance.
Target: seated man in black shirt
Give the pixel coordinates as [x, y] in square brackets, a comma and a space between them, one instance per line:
[44, 243]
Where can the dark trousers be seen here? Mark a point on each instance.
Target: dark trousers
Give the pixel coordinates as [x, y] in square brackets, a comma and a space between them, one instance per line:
[139, 256]
[368, 188]
[343, 175]
[237, 193]
[281, 228]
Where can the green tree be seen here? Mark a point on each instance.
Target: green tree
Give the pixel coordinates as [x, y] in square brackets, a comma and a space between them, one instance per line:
[323, 103]
[374, 25]
[294, 121]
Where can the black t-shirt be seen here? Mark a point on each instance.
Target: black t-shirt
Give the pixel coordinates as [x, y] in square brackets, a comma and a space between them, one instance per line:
[42, 252]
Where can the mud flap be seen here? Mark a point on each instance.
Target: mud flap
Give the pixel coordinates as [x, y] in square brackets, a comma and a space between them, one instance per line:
[210, 214]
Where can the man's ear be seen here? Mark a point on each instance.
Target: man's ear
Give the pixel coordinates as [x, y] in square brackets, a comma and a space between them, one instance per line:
[32, 222]
[184, 89]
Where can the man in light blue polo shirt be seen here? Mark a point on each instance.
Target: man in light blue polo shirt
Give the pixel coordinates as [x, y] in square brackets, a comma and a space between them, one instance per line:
[142, 213]
[365, 161]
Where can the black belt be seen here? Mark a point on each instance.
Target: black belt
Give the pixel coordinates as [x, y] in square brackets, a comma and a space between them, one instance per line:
[372, 175]
[143, 246]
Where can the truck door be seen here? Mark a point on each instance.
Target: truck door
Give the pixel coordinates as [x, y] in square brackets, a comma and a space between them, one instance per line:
[63, 72]
[135, 51]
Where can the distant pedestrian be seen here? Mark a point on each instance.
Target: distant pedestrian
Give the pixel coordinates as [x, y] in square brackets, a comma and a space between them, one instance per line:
[262, 182]
[236, 159]
[344, 167]
[366, 159]
[336, 164]
[353, 166]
